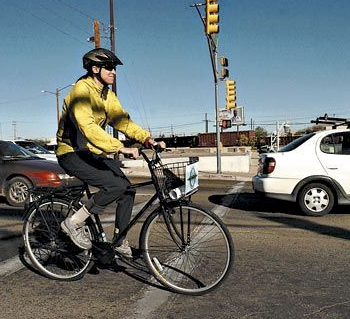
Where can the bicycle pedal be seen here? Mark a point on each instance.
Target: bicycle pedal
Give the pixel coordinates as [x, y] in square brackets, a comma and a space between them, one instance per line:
[94, 270]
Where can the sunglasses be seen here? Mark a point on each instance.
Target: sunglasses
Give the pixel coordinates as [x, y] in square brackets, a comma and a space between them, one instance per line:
[109, 67]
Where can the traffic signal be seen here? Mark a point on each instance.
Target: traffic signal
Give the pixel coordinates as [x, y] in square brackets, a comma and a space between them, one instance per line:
[224, 71]
[224, 61]
[230, 94]
[212, 17]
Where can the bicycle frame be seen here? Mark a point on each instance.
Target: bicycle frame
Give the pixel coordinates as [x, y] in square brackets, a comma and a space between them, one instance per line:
[133, 220]
[158, 195]
[75, 194]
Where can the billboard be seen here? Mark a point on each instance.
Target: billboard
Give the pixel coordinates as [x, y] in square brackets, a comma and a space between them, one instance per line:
[236, 115]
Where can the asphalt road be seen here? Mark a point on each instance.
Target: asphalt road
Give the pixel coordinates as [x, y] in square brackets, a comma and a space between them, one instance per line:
[287, 266]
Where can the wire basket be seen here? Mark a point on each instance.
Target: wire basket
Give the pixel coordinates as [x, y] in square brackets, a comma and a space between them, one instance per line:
[177, 180]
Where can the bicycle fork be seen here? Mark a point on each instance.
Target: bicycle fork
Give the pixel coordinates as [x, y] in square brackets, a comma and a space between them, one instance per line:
[177, 233]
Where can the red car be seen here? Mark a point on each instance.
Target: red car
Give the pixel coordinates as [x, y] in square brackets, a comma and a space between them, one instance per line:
[21, 170]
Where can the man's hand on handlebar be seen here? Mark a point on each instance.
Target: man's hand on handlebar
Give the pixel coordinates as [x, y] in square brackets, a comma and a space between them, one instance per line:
[161, 145]
[151, 143]
[130, 152]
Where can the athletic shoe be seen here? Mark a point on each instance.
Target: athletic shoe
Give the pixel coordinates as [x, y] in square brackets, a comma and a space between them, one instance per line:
[124, 249]
[77, 234]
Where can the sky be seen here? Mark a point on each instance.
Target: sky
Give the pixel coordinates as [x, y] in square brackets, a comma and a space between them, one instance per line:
[290, 60]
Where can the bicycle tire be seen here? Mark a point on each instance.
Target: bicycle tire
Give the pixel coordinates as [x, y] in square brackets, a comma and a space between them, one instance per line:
[51, 251]
[187, 249]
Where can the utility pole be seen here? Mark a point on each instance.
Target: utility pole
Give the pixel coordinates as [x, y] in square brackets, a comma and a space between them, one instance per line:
[14, 124]
[97, 38]
[112, 38]
[112, 41]
[57, 93]
[206, 123]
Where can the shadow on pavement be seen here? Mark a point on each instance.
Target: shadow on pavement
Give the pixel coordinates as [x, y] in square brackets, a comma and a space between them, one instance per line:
[271, 209]
[254, 203]
[333, 231]
[11, 212]
[135, 268]
[138, 270]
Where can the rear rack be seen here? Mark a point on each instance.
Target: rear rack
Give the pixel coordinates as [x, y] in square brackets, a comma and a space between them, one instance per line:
[334, 121]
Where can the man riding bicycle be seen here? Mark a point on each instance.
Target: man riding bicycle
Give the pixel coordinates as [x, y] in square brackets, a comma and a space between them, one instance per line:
[83, 146]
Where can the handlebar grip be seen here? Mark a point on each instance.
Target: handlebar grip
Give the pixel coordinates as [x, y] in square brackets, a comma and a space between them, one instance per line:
[157, 148]
[127, 155]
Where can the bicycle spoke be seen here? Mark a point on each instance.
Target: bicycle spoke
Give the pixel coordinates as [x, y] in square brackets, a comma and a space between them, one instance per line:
[190, 251]
[51, 251]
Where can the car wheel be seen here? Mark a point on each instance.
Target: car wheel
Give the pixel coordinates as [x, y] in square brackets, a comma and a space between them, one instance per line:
[316, 199]
[17, 191]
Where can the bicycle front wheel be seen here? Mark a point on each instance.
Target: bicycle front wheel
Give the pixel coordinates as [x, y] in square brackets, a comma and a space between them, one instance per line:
[49, 249]
[187, 248]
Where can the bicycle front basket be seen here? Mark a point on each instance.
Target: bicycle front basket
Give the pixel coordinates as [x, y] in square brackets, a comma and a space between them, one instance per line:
[177, 180]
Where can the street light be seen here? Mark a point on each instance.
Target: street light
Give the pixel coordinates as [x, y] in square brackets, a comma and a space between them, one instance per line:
[57, 93]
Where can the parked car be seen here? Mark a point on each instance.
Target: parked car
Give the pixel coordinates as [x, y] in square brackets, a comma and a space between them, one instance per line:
[21, 170]
[37, 149]
[312, 171]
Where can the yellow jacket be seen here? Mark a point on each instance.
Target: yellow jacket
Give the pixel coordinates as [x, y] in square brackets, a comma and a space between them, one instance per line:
[84, 117]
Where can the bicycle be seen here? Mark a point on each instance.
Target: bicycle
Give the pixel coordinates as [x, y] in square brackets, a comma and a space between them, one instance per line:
[187, 248]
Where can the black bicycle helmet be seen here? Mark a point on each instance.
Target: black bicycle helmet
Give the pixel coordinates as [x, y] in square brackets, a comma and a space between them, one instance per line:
[100, 57]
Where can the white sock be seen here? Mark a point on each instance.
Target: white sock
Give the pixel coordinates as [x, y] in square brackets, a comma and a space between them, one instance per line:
[80, 215]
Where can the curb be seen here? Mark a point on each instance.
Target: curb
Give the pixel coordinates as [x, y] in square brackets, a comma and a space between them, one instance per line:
[233, 177]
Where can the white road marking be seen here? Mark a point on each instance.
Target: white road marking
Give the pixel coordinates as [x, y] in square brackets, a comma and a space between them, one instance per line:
[221, 210]
[10, 266]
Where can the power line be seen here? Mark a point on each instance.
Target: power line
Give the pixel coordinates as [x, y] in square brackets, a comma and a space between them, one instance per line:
[63, 18]
[173, 126]
[145, 119]
[274, 123]
[47, 23]
[78, 10]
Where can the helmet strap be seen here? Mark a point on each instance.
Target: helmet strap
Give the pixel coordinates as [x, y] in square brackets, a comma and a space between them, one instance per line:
[105, 85]
[99, 78]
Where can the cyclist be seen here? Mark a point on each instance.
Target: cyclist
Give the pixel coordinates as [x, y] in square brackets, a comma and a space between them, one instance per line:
[83, 146]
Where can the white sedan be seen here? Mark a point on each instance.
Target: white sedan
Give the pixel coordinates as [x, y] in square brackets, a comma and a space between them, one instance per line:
[313, 171]
[37, 149]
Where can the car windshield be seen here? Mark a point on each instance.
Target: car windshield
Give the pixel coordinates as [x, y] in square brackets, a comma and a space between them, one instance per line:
[10, 150]
[33, 147]
[296, 143]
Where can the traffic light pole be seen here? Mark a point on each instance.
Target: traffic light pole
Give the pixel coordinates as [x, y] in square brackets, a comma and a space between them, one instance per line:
[218, 138]
[212, 45]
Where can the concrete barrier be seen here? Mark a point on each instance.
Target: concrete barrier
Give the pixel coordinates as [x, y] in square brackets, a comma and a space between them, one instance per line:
[235, 163]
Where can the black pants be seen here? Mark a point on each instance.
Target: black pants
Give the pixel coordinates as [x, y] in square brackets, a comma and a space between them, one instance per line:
[104, 173]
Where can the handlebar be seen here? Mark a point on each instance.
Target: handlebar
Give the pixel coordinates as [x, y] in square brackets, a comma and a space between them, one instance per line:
[156, 150]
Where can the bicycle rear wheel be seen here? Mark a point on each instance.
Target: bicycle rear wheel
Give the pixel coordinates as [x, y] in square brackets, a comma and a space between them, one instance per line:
[187, 249]
[49, 249]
